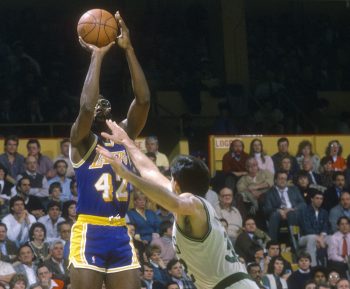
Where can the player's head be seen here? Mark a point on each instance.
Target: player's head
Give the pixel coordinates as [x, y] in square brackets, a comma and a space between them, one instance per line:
[102, 110]
[189, 174]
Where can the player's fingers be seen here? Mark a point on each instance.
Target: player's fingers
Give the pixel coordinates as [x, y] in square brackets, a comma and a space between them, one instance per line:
[107, 136]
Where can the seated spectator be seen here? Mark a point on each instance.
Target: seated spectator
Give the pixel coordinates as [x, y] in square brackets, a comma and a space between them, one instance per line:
[38, 182]
[264, 161]
[310, 285]
[283, 146]
[250, 237]
[32, 204]
[64, 229]
[318, 274]
[37, 236]
[333, 278]
[234, 163]
[11, 160]
[51, 220]
[341, 210]
[26, 264]
[152, 145]
[165, 241]
[140, 246]
[8, 248]
[56, 264]
[286, 165]
[225, 209]
[255, 274]
[176, 272]
[282, 203]
[46, 280]
[343, 284]
[307, 166]
[303, 274]
[64, 155]
[60, 168]
[259, 258]
[19, 281]
[147, 278]
[254, 185]
[172, 285]
[55, 192]
[273, 250]
[273, 279]
[334, 150]
[45, 166]
[5, 186]
[69, 212]
[164, 215]
[153, 253]
[18, 221]
[305, 151]
[146, 221]
[73, 190]
[6, 273]
[314, 227]
[339, 247]
[326, 170]
[332, 194]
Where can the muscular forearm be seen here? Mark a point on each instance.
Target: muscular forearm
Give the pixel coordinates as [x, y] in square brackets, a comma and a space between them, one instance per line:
[139, 83]
[91, 91]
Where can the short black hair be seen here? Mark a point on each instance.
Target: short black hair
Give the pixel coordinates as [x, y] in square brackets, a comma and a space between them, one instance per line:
[52, 204]
[15, 199]
[272, 243]
[336, 174]
[282, 139]
[191, 174]
[164, 226]
[53, 186]
[59, 161]
[171, 264]
[342, 218]
[251, 265]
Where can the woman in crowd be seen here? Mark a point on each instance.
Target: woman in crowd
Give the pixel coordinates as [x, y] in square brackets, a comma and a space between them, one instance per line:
[334, 150]
[145, 220]
[69, 211]
[37, 236]
[326, 172]
[305, 151]
[273, 279]
[257, 151]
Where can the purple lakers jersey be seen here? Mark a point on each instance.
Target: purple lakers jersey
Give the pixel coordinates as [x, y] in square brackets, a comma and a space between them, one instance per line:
[100, 191]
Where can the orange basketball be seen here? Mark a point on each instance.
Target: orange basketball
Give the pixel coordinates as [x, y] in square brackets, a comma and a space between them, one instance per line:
[97, 27]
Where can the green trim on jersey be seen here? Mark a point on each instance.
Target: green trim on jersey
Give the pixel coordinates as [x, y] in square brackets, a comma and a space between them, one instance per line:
[209, 226]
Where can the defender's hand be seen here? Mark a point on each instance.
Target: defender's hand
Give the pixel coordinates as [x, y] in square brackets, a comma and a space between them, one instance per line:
[118, 135]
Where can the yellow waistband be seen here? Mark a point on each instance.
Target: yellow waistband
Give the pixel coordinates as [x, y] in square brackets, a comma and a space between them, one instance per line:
[102, 221]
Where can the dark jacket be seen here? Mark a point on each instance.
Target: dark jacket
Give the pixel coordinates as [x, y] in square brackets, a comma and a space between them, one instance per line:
[310, 225]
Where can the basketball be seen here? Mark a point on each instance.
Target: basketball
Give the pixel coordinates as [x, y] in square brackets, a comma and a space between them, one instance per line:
[97, 27]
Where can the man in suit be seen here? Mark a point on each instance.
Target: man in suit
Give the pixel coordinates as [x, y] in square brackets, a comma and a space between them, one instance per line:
[332, 195]
[249, 238]
[341, 210]
[147, 278]
[56, 264]
[314, 226]
[308, 167]
[8, 248]
[26, 265]
[282, 203]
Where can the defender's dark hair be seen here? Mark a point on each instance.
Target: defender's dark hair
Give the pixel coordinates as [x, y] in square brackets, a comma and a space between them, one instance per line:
[191, 174]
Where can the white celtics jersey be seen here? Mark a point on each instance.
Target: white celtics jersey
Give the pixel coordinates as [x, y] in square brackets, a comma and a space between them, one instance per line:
[211, 259]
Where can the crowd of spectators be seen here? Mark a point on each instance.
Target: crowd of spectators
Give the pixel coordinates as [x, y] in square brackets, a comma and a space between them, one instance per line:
[255, 196]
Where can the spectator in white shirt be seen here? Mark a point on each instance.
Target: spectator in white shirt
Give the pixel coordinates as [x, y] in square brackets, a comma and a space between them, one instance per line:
[26, 265]
[18, 221]
[51, 220]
